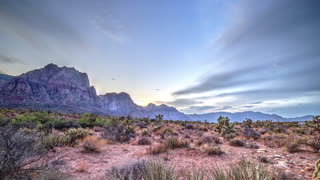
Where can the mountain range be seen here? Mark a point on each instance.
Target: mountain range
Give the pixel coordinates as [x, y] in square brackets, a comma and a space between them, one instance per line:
[65, 89]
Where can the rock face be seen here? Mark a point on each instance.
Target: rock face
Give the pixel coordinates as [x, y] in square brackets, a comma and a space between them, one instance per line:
[65, 89]
[169, 113]
[118, 104]
[51, 86]
[4, 78]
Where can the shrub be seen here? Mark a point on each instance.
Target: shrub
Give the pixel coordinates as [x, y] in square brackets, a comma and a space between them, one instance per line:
[89, 147]
[167, 131]
[213, 150]
[316, 123]
[136, 170]
[144, 141]
[252, 146]
[155, 170]
[236, 142]
[314, 143]
[61, 124]
[250, 133]
[158, 149]
[173, 143]
[211, 139]
[87, 120]
[51, 174]
[292, 146]
[274, 141]
[144, 132]
[247, 123]
[245, 170]
[278, 129]
[20, 154]
[75, 134]
[118, 132]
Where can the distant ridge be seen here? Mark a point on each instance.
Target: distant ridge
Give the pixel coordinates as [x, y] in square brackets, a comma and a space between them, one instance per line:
[65, 89]
[240, 116]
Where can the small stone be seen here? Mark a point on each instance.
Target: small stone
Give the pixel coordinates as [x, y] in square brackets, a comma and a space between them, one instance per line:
[302, 172]
[308, 169]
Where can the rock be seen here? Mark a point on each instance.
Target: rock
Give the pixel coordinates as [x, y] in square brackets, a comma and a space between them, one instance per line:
[308, 169]
[261, 150]
[302, 172]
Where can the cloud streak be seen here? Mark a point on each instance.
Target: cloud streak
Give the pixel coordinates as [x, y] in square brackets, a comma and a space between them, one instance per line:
[269, 48]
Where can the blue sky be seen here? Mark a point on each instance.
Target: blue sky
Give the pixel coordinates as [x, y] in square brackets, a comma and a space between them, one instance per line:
[199, 56]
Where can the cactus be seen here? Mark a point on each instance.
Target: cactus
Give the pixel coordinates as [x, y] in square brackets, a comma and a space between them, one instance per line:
[317, 169]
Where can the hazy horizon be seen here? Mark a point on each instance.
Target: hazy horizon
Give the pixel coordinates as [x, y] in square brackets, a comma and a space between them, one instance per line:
[198, 56]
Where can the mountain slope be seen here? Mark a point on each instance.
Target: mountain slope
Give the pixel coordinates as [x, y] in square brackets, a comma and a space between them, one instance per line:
[240, 116]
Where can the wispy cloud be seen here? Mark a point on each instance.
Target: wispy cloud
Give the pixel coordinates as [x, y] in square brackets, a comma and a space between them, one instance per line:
[111, 27]
[9, 59]
[268, 51]
[180, 102]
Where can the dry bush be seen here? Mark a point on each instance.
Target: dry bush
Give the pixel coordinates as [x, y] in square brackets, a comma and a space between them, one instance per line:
[252, 145]
[89, 147]
[51, 174]
[157, 149]
[20, 153]
[314, 143]
[118, 132]
[173, 143]
[211, 139]
[275, 141]
[213, 150]
[148, 170]
[250, 133]
[245, 170]
[237, 142]
[144, 141]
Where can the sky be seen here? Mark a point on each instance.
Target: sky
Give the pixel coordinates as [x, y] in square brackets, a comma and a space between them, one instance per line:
[199, 56]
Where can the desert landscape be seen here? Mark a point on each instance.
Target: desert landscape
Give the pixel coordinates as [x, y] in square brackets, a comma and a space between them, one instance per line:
[159, 90]
[47, 145]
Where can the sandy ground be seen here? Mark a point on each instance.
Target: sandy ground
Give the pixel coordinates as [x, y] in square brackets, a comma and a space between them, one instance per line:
[80, 165]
